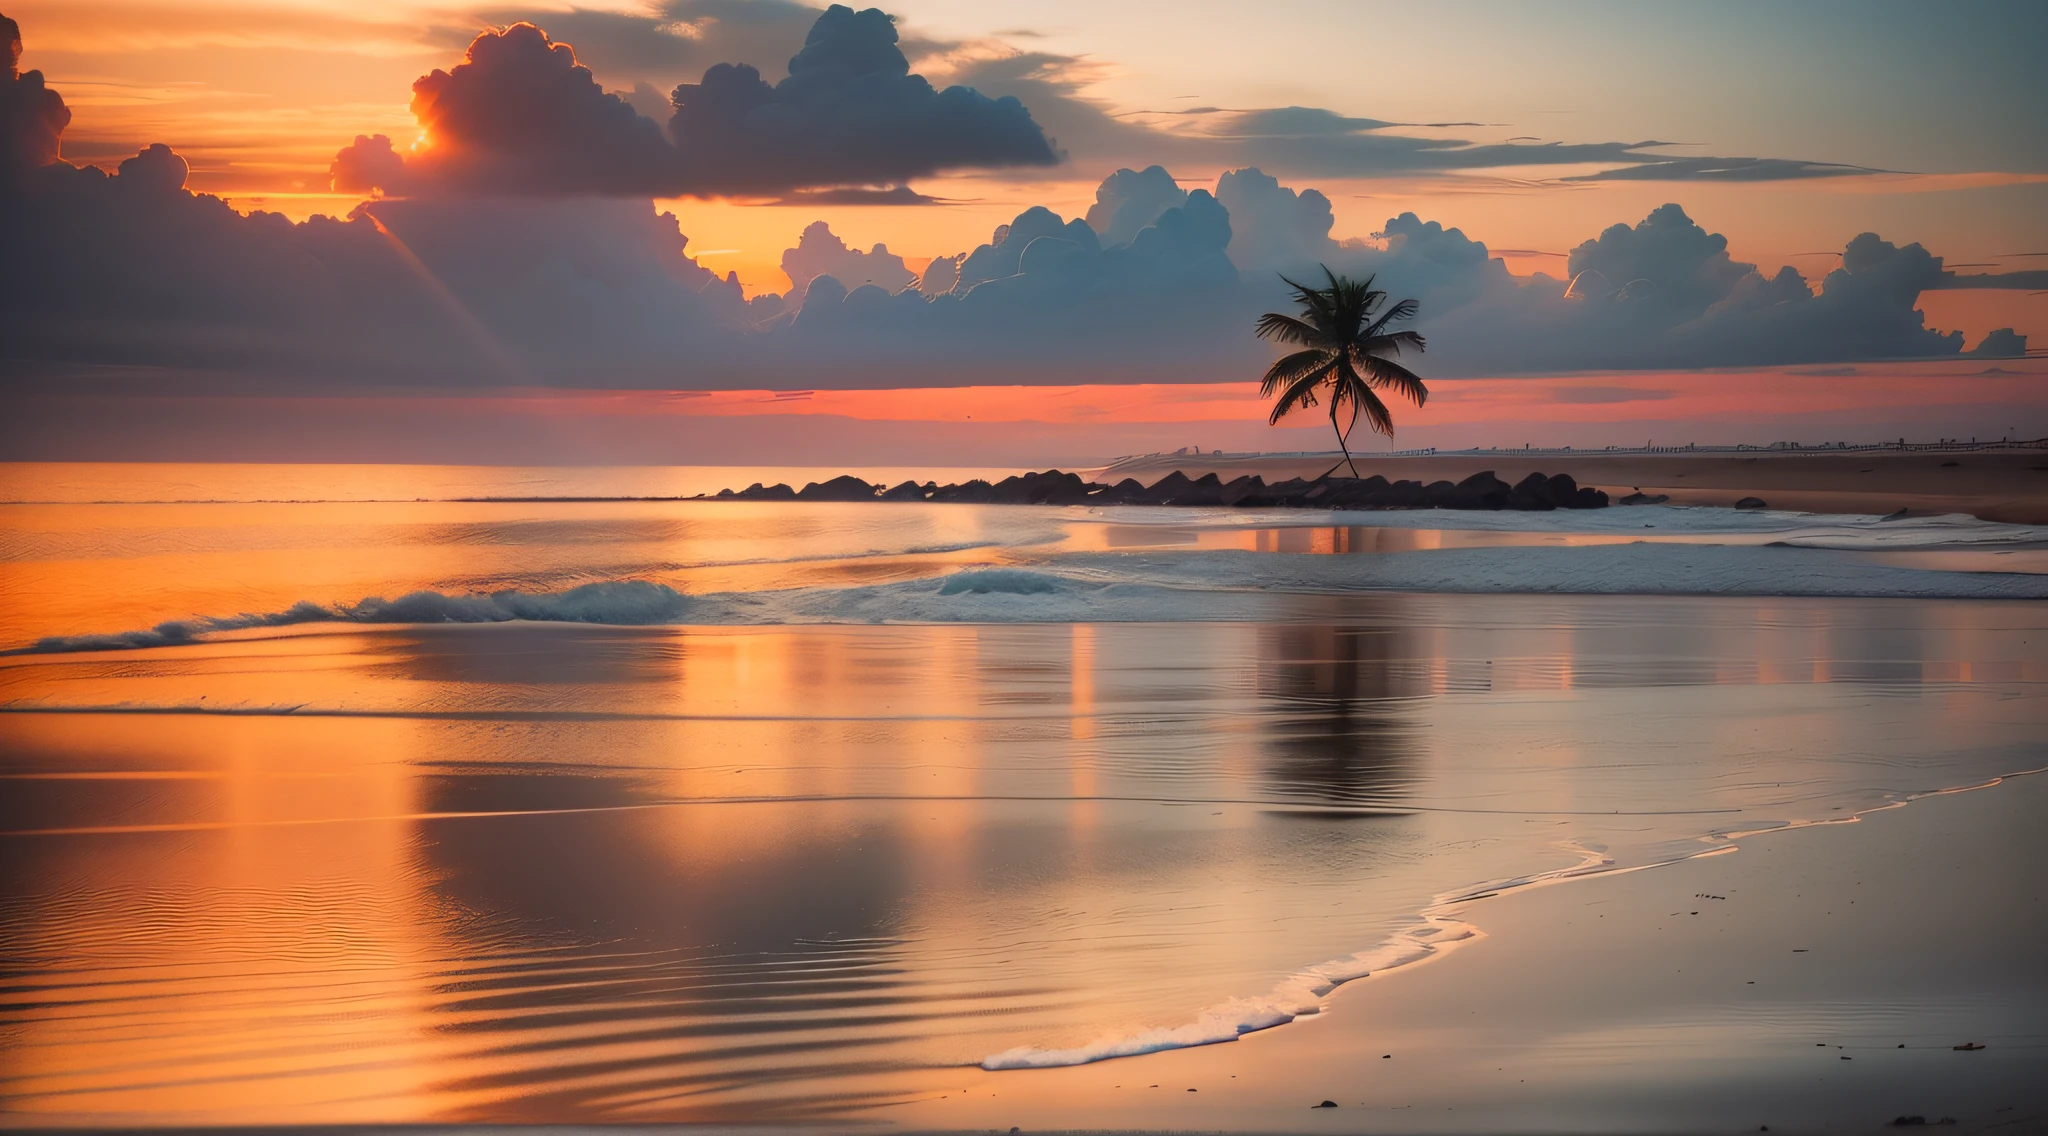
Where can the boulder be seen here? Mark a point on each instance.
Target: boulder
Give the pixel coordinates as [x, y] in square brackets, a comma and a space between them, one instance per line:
[1751, 503]
[1532, 492]
[845, 487]
[1129, 491]
[975, 492]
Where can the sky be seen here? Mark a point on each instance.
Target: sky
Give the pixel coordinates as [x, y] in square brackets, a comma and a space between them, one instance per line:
[347, 200]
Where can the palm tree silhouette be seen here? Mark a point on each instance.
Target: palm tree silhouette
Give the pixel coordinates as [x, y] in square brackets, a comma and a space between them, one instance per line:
[1345, 348]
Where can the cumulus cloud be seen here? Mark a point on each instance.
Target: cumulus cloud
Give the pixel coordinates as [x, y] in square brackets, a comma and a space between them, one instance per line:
[1272, 226]
[520, 114]
[131, 268]
[1128, 200]
[1044, 291]
[1665, 255]
[1659, 294]
[819, 253]
[849, 112]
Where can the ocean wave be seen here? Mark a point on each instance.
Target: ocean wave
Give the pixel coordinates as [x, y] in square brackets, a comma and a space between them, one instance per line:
[622, 602]
[1002, 581]
[1128, 587]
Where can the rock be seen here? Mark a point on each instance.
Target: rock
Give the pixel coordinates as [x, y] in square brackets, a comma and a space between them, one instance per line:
[845, 487]
[1204, 490]
[1641, 498]
[1967, 1046]
[1247, 488]
[1125, 492]
[1751, 503]
[1532, 492]
[975, 492]
[1325, 1104]
[1484, 491]
[1055, 487]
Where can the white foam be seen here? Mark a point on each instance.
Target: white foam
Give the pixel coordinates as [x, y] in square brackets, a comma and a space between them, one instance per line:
[612, 601]
[1298, 995]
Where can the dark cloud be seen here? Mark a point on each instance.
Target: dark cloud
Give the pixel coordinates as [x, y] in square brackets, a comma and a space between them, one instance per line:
[517, 115]
[2001, 343]
[1300, 141]
[860, 195]
[1726, 169]
[32, 117]
[520, 114]
[849, 112]
[2025, 281]
[1299, 122]
[659, 46]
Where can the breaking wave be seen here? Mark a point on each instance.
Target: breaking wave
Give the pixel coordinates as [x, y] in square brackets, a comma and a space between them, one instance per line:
[624, 602]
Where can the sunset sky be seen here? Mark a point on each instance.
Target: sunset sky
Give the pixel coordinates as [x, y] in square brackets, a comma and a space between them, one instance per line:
[1786, 130]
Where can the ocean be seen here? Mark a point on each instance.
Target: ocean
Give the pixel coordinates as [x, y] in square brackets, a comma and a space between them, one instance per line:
[434, 793]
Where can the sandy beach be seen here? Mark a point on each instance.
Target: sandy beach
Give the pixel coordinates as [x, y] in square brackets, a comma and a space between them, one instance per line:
[2008, 485]
[1809, 980]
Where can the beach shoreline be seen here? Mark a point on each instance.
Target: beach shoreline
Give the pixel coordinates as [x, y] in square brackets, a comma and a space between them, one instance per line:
[1816, 978]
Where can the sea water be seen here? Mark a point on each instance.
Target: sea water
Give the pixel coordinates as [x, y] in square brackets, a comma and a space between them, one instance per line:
[448, 797]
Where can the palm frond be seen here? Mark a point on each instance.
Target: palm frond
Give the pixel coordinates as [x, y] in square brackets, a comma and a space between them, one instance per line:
[1392, 344]
[1389, 375]
[1300, 394]
[1401, 312]
[1283, 328]
[1374, 412]
[1288, 368]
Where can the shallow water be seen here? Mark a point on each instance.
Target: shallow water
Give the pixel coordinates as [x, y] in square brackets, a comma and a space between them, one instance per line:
[774, 866]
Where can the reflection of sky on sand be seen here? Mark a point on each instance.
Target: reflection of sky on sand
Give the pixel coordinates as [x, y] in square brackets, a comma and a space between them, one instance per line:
[535, 872]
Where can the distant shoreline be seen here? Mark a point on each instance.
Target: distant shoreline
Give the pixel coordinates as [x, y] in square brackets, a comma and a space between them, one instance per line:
[1991, 481]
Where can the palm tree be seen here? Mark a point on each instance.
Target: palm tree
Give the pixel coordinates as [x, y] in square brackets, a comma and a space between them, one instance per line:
[1345, 348]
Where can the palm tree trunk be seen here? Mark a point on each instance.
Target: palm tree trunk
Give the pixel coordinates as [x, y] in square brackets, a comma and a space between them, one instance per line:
[1341, 444]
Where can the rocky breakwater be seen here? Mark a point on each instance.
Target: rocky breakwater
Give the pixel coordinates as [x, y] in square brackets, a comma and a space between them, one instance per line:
[1480, 491]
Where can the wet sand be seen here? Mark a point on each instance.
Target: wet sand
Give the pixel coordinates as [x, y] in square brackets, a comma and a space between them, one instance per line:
[2008, 485]
[1771, 985]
